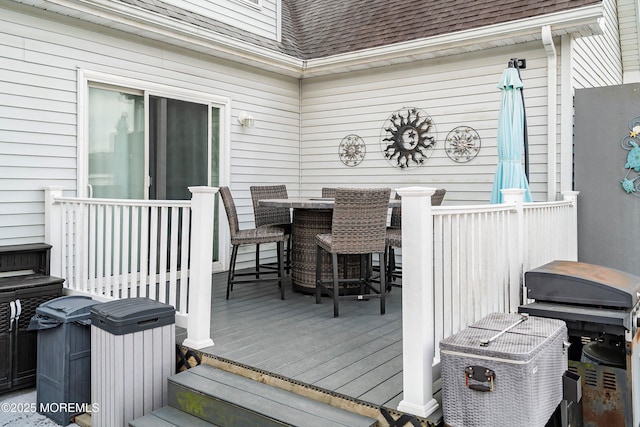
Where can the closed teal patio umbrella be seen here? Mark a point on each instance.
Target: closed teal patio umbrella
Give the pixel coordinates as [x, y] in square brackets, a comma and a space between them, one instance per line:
[511, 135]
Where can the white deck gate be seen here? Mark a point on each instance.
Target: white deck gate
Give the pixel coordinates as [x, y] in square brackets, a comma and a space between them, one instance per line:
[162, 250]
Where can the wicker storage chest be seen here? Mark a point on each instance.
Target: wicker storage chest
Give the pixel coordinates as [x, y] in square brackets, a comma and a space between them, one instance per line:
[514, 380]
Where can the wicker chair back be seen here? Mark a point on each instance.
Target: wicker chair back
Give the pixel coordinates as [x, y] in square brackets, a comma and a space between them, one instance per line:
[359, 220]
[328, 192]
[230, 209]
[268, 215]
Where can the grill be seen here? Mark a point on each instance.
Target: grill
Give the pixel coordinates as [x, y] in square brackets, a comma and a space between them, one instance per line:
[600, 307]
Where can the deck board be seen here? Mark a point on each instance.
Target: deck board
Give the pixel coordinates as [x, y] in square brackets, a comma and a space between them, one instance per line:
[358, 354]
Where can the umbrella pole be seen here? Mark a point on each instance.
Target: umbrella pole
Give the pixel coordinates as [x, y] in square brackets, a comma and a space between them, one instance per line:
[517, 64]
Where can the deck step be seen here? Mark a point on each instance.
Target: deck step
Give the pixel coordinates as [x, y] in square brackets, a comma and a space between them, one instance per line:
[228, 400]
[169, 417]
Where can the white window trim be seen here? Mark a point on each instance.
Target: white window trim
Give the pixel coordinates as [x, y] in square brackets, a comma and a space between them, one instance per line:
[253, 4]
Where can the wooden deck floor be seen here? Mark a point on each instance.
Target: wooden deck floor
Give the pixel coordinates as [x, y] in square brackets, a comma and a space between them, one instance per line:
[358, 354]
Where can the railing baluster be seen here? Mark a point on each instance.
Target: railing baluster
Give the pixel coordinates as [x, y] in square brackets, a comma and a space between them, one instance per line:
[153, 252]
[173, 255]
[93, 249]
[184, 261]
[65, 250]
[116, 243]
[144, 250]
[135, 250]
[163, 232]
[125, 239]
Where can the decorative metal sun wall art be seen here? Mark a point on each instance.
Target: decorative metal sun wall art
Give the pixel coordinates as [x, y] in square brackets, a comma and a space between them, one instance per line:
[408, 138]
[462, 144]
[631, 143]
[352, 150]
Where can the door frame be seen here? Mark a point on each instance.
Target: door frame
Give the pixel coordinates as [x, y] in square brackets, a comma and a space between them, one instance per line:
[85, 77]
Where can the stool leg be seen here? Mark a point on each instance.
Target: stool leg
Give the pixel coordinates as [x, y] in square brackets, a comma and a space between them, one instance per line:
[232, 268]
[318, 274]
[257, 260]
[336, 286]
[383, 284]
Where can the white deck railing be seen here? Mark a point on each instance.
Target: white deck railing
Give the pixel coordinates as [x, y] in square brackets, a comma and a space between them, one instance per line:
[111, 249]
[462, 263]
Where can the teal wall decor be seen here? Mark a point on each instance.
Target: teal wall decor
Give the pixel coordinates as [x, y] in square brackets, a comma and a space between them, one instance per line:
[630, 184]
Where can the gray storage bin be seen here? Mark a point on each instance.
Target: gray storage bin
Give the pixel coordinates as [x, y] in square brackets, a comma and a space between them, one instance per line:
[63, 378]
[516, 380]
[133, 355]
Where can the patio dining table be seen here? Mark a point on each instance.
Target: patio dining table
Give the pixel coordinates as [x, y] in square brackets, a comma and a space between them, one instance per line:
[312, 216]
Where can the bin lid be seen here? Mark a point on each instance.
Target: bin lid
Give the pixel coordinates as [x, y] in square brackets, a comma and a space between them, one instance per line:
[519, 343]
[69, 308]
[130, 315]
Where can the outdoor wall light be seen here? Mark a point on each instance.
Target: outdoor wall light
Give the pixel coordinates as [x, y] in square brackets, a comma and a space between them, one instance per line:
[246, 120]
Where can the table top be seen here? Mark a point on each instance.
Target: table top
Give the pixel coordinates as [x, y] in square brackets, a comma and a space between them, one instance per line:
[310, 203]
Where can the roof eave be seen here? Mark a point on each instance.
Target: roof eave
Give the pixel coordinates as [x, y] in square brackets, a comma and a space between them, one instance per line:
[579, 22]
[582, 22]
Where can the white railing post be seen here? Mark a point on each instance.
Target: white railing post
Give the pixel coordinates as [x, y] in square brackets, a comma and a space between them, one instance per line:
[515, 196]
[418, 329]
[199, 318]
[53, 228]
[572, 251]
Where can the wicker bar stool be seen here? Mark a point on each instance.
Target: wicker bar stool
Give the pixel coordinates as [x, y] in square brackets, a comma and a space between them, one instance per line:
[328, 192]
[254, 236]
[279, 217]
[358, 227]
[394, 236]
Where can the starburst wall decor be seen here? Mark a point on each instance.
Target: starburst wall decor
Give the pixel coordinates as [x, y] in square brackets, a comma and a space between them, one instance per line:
[462, 144]
[352, 150]
[408, 138]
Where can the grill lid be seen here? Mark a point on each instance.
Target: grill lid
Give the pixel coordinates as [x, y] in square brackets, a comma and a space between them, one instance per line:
[581, 283]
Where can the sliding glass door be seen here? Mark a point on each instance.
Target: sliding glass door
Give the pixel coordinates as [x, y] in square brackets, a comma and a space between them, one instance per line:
[116, 144]
[181, 149]
[144, 146]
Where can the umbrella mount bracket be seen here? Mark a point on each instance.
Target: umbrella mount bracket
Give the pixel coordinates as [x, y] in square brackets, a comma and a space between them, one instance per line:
[518, 63]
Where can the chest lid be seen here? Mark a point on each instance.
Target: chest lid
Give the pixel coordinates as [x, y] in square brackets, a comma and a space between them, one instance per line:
[519, 343]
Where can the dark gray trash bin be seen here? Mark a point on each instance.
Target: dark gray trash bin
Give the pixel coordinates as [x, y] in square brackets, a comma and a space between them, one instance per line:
[63, 375]
[133, 355]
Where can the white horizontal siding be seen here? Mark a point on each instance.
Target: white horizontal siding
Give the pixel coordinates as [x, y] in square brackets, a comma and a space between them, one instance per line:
[39, 60]
[260, 19]
[597, 59]
[454, 91]
[628, 15]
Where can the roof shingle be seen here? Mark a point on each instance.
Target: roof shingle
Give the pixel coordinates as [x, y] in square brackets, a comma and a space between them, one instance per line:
[332, 27]
[316, 29]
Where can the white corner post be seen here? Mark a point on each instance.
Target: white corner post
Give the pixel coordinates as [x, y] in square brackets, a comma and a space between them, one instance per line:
[53, 228]
[201, 272]
[515, 197]
[418, 329]
[572, 197]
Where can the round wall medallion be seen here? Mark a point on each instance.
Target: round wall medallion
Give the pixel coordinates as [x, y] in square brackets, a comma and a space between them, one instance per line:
[352, 150]
[462, 144]
[408, 138]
